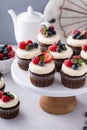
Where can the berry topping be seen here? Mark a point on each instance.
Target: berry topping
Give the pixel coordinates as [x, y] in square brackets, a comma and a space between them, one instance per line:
[36, 60]
[1, 56]
[1, 94]
[76, 34]
[57, 47]
[5, 98]
[29, 42]
[9, 47]
[52, 48]
[47, 30]
[74, 31]
[11, 54]
[68, 63]
[75, 62]
[84, 47]
[22, 45]
[47, 57]
[41, 63]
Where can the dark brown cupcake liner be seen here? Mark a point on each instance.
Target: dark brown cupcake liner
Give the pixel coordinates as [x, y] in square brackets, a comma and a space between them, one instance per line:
[23, 63]
[9, 113]
[72, 82]
[42, 80]
[76, 50]
[43, 47]
[58, 64]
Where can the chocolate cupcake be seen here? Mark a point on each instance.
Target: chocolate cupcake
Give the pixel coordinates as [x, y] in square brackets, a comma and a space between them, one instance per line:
[73, 72]
[42, 70]
[83, 53]
[60, 52]
[47, 36]
[2, 83]
[9, 105]
[76, 40]
[25, 52]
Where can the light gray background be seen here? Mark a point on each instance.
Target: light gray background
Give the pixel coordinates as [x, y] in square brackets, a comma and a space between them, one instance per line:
[6, 24]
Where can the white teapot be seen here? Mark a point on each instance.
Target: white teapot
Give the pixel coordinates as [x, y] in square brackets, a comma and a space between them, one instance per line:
[26, 24]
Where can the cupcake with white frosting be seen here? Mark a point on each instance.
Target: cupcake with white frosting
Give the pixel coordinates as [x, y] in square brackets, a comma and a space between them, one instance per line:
[60, 52]
[25, 52]
[73, 72]
[2, 83]
[42, 70]
[76, 40]
[9, 105]
[47, 36]
[83, 53]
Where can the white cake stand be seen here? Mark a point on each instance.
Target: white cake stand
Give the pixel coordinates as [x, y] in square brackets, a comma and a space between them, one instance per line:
[56, 98]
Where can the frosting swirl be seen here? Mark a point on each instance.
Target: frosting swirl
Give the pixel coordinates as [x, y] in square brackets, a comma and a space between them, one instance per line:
[47, 68]
[71, 72]
[84, 54]
[2, 83]
[76, 42]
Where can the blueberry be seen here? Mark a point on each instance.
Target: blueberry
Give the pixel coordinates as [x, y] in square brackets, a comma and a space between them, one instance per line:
[59, 49]
[4, 46]
[54, 32]
[80, 37]
[85, 128]
[5, 58]
[41, 63]
[85, 114]
[4, 93]
[30, 46]
[5, 53]
[50, 33]
[75, 35]
[0, 75]
[35, 44]
[75, 66]
[1, 50]
[58, 43]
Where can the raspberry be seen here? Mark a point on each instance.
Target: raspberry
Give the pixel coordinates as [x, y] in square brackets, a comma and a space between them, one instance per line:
[76, 57]
[1, 56]
[5, 98]
[22, 45]
[74, 31]
[11, 54]
[52, 48]
[9, 48]
[84, 47]
[36, 60]
[0, 94]
[52, 27]
[68, 63]
[29, 41]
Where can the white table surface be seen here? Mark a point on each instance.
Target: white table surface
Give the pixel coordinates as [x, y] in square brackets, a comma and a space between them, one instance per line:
[32, 117]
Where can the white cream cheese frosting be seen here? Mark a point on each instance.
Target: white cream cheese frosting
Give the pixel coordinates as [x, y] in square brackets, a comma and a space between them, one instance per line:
[63, 54]
[84, 54]
[47, 40]
[28, 54]
[9, 104]
[37, 69]
[2, 82]
[76, 42]
[71, 72]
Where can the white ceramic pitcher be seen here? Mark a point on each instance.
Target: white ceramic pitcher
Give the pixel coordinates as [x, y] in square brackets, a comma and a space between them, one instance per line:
[26, 24]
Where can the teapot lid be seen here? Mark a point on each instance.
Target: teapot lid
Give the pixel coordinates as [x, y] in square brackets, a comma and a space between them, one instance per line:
[30, 15]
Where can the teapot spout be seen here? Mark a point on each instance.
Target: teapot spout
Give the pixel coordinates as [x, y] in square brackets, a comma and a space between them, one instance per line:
[14, 18]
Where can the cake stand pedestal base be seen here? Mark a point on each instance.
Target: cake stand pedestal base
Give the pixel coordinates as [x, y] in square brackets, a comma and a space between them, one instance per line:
[58, 105]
